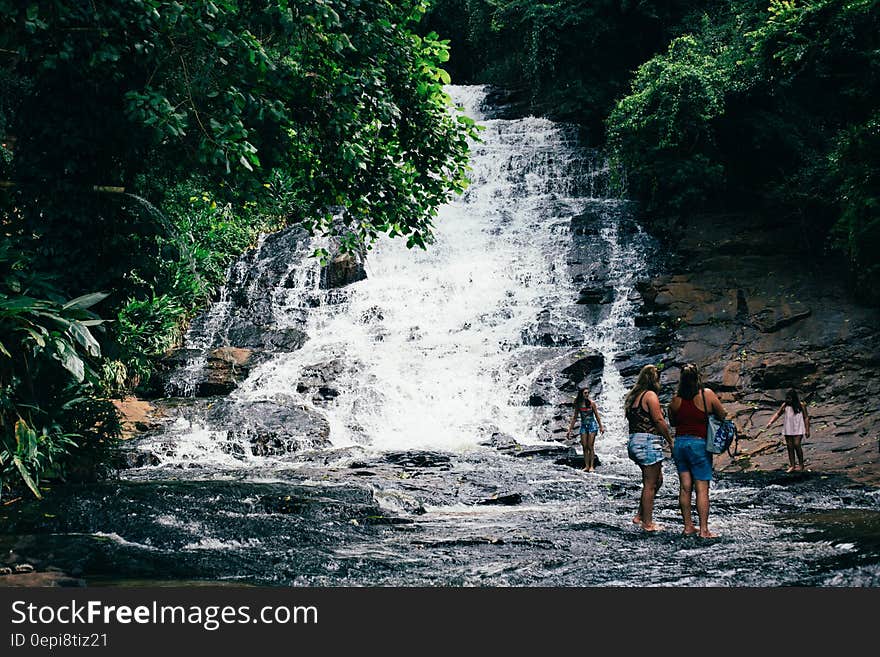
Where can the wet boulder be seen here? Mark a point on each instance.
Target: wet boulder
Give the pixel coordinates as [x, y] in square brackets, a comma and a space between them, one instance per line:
[586, 370]
[550, 331]
[500, 441]
[595, 295]
[508, 499]
[323, 380]
[344, 269]
[284, 340]
[271, 427]
[224, 369]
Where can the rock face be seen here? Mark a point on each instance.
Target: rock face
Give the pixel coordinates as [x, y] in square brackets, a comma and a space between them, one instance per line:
[323, 380]
[226, 367]
[760, 318]
[240, 331]
[344, 269]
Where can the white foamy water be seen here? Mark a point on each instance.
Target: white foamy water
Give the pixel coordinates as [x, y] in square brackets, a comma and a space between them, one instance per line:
[428, 339]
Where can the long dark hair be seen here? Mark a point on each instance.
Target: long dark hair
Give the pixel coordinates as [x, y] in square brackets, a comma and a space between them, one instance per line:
[691, 381]
[582, 399]
[792, 399]
[649, 379]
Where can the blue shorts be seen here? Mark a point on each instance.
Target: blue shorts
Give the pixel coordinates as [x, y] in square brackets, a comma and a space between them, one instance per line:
[591, 426]
[691, 456]
[645, 448]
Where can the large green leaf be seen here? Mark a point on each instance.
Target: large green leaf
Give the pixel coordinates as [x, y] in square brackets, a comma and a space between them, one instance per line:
[26, 440]
[70, 360]
[26, 477]
[82, 335]
[86, 300]
[21, 303]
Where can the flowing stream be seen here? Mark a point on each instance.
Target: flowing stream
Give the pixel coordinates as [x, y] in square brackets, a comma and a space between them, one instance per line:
[407, 428]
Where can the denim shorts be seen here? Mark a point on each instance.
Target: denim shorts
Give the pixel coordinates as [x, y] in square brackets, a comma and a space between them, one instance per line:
[591, 426]
[691, 456]
[645, 448]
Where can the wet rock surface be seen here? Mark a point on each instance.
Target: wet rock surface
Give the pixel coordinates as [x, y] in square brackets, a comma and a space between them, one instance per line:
[759, 319]
[486, 518]
[344, 269]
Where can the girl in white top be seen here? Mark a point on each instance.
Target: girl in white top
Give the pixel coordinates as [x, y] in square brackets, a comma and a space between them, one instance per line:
[795, 425]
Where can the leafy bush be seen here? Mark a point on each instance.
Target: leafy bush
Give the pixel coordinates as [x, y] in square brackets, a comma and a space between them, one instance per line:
[146, 329]
[46, 354]
[663, 132]
[856, 163]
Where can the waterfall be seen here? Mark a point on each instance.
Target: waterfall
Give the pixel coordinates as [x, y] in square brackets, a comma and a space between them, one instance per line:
[429, 350]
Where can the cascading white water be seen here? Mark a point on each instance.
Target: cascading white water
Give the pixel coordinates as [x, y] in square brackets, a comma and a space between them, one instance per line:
[429, 337]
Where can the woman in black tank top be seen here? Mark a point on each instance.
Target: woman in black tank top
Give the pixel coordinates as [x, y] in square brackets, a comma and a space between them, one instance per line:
[647, 430]
[639, 418]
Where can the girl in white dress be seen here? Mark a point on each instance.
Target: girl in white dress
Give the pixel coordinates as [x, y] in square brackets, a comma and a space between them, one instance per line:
[795, 425]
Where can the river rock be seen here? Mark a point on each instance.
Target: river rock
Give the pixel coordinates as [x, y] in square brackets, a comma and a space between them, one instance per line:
[322, 380]
[342, 270]
[586, 370]
[595, 295]
[541, 450]
[225, 368]
[270, 427]
[551, 331]
[500, 441]
[419, 459]
[508, 499]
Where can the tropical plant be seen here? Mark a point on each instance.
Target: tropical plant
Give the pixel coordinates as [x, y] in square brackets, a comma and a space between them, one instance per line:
[46, 355]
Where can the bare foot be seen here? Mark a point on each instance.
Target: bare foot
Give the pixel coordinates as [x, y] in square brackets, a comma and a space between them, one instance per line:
[689, 531]
[591, 469]
[708, 534]
[790, 468]
[637, 520]
[585, 469]
[653, 527]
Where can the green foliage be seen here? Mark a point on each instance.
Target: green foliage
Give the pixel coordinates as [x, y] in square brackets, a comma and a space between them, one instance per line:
[341, 98]
[769, 109]
[856, 163]
[144, 144]
[663, 131]
[147, 329]
[236, 91]
[570, 59]
[46, 354]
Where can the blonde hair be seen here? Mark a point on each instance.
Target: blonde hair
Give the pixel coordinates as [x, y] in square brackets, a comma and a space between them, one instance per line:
[649, 379]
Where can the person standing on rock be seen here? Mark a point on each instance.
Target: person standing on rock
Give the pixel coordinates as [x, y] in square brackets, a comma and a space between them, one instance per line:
[688, 413]
[795, 425]
[591, 424]
[647, 430]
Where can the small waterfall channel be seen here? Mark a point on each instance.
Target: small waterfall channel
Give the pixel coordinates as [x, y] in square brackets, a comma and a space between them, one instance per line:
[408, 428]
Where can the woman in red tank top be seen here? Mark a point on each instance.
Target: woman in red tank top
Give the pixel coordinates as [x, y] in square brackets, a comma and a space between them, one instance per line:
[688, 413]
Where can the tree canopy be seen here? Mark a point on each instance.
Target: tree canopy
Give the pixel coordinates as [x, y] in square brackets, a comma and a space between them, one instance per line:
[145, 143]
